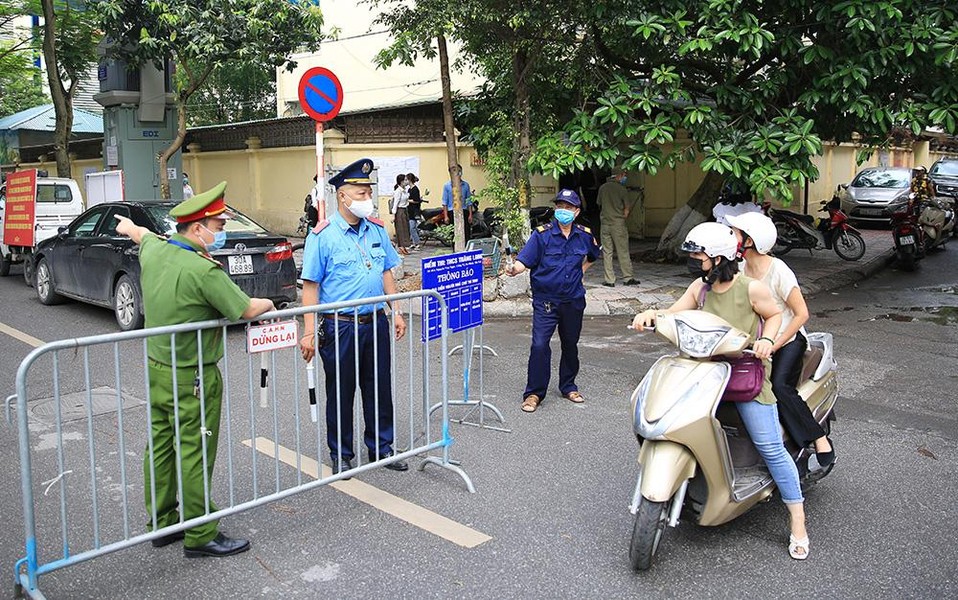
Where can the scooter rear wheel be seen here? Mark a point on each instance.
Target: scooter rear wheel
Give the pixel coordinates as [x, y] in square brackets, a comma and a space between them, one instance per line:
[650, 521]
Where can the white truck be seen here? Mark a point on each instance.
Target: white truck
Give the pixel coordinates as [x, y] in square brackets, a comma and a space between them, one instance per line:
[55, 201]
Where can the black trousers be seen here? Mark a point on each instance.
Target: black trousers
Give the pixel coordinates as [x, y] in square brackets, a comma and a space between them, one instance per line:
[792, 410]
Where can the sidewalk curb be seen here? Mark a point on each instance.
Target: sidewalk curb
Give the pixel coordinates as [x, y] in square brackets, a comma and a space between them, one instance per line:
[849, 276]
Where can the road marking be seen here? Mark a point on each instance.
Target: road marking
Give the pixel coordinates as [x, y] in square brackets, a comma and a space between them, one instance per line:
[16, 333]
[404, 510]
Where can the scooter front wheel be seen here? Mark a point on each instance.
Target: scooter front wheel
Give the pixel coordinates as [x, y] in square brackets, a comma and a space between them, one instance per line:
[650, 521]
[849, 245]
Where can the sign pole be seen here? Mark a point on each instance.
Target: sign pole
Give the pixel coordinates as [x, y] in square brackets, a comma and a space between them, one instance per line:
[320, 173]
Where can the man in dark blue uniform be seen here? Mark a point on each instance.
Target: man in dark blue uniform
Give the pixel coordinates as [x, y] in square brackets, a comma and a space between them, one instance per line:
[557, 255]
[349, 257]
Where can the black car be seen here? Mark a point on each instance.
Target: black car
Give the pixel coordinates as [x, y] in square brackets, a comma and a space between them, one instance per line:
[944, 174]
[90, 262]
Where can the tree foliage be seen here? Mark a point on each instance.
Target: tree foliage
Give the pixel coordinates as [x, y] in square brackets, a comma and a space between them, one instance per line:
[20, 86]
[200, 37]
[235, 92]
[752, 87]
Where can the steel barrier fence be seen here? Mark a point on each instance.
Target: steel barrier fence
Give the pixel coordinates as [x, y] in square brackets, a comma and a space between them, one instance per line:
[91, 381]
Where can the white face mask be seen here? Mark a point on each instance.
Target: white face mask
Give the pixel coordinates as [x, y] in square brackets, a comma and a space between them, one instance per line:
[361, 208]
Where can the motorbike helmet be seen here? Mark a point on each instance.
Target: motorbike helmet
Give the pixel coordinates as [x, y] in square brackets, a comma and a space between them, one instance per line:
[714, 239]
[758, 227]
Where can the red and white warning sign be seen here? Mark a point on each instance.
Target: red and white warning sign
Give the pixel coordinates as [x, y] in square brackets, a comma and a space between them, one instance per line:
[273, 336]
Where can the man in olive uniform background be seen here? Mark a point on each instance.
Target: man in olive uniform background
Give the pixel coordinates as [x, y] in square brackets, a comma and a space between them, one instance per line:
[182, 283]
[616, 204]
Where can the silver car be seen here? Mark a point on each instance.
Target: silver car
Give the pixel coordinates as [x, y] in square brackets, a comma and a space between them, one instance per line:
[876, 192]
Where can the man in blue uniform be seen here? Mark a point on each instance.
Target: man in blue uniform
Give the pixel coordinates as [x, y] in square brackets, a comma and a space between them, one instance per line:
[349, 257]
[557, 255]
[447, 203]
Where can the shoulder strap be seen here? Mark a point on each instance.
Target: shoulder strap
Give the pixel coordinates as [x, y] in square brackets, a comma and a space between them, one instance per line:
[701, 299]
[376, 221]
[321, 225]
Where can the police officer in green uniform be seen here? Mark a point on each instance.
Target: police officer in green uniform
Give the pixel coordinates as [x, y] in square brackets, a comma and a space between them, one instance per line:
[182, 283]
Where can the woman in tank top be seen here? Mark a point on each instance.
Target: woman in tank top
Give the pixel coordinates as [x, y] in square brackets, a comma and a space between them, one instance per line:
[744, 303]
[756, 236]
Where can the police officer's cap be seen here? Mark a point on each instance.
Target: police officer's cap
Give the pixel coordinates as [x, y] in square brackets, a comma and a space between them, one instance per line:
[209, 204]
[356, 173]
[568, 196]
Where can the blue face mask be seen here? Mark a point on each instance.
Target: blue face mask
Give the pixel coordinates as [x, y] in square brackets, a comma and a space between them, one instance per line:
[564, 215]
[219, 240]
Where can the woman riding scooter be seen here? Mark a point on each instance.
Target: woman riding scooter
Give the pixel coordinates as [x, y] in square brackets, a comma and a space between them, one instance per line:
[756, 236]
[744, 303]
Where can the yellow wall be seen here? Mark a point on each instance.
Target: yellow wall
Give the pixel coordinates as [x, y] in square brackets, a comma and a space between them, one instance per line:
[270, 184]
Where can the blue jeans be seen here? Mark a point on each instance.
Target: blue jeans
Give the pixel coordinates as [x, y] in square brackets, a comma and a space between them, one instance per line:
[414, 232]
[761, 421]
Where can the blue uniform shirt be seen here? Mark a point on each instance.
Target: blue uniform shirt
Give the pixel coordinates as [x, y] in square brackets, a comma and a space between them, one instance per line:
[555, 262]
[348, 264]
[447, 195]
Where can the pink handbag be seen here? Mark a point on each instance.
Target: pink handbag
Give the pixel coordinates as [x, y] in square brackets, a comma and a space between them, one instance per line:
[748, 371]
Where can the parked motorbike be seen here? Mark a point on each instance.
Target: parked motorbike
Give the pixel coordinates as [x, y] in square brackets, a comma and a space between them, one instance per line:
[797, 230]
[430, 227]
[937, 220]
[695, 454]
[919, 227]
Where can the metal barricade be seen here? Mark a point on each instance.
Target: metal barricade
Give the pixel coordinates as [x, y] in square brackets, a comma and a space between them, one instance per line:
[96, 400]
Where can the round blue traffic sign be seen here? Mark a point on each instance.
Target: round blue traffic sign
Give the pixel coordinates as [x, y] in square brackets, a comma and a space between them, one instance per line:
[320, 94]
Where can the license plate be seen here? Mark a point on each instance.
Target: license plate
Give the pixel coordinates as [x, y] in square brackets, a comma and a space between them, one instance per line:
[241, 265]
[870, 211]
[906, 240]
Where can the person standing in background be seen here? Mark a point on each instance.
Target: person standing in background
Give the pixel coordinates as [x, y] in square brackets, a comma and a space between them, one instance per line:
[615, 204]
[466, 203]
[414, 209]
[400, 218]
[187, 190]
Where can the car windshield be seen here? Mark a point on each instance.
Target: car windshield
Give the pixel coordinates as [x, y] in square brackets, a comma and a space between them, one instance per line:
[883, 179]
[945, 168]
[237, 224]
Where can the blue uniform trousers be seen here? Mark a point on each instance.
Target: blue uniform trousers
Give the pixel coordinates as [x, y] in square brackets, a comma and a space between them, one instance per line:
[373, 369]
[546, 317]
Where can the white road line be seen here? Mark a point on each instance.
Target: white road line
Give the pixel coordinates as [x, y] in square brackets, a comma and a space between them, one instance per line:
[404, 510]
[17, 334]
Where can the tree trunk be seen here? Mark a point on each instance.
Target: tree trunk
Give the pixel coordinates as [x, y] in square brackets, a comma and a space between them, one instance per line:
[62, 99]
[450, 127]
[523, 135]
[697, 210]
[172, 148]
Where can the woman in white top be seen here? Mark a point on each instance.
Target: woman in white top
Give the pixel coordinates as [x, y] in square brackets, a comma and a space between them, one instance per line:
[398, 208]
[756, 234]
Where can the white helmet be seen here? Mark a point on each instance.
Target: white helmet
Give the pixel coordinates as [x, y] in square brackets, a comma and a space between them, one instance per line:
[714, 239]
[758, 227]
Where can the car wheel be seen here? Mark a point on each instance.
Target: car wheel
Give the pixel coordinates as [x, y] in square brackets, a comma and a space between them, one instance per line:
[28, 270]
[127, 305]
[46, 291]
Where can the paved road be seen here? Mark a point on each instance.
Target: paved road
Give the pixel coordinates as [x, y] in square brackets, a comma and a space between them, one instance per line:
[553, 493]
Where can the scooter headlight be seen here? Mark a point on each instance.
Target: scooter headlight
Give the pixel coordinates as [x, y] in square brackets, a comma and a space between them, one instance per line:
[698, 343]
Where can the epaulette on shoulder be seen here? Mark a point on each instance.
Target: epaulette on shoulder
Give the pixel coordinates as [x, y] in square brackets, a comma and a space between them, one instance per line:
[210, 258]
[584, 228]
[542, 228]
[321, 225]
[376, 221]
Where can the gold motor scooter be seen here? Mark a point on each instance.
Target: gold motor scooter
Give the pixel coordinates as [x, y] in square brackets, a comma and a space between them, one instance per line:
[695, 452]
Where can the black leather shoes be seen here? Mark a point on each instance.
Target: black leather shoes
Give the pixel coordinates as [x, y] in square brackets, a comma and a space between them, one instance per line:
[607, 284]
[166, 540]
[339, 467]
[218, 546]
[399, 465]
[631, 282]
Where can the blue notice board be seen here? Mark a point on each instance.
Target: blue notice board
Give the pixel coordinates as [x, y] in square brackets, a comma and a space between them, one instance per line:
[458, 278]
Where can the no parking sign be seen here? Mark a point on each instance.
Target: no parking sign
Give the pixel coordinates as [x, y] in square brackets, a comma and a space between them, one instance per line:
[320, 97]
[320, 94]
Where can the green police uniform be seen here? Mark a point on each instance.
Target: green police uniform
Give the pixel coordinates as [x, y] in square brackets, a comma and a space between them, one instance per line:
[182, 284]
[614, 199]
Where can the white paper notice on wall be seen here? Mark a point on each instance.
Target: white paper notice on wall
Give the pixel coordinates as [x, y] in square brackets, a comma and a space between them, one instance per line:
[391, 166]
